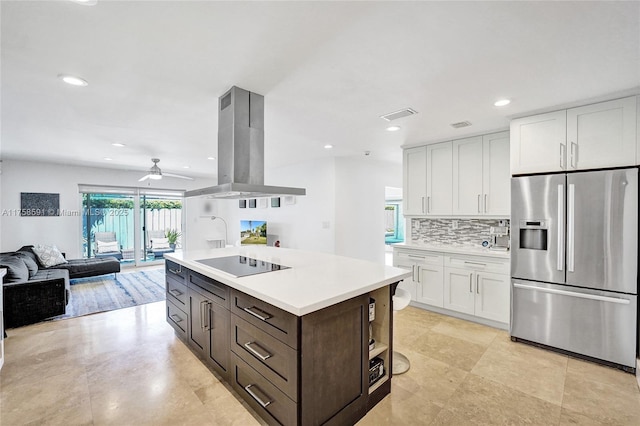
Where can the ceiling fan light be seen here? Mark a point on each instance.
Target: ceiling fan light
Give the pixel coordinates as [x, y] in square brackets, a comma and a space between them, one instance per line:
[155, 177]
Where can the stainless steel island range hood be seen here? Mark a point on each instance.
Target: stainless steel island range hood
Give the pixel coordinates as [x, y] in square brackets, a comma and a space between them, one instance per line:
[241, 150]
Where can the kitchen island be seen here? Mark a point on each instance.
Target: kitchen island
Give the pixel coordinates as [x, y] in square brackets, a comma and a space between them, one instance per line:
[294, 342]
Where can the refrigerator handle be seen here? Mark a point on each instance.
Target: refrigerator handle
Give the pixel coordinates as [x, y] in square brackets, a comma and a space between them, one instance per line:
[570, 227]
[560, 260]
[573, 294]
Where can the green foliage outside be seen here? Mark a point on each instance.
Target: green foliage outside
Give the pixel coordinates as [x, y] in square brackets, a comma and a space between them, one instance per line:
[115, 203]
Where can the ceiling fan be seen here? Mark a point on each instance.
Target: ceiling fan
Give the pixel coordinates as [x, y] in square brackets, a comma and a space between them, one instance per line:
[155, 173]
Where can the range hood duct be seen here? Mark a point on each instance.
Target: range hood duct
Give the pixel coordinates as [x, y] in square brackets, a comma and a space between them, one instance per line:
[241, 150]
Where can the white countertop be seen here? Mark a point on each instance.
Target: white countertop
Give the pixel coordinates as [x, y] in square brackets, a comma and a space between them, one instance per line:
[445, 248]
[314, 280]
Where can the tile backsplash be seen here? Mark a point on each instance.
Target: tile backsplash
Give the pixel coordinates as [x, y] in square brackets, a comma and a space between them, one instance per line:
[454, 232]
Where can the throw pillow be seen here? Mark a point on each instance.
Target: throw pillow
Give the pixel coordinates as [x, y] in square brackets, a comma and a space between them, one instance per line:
[107, 246]
[48, 255]
[28, 260]
[160, 243]
[17, 271]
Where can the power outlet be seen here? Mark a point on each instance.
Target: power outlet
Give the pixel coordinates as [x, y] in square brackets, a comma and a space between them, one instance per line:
[454, 224]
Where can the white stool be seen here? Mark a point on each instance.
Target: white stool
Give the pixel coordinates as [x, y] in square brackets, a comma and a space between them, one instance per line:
[400, 301]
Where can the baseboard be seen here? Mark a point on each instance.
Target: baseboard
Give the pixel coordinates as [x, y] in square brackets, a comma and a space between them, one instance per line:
[472, 318]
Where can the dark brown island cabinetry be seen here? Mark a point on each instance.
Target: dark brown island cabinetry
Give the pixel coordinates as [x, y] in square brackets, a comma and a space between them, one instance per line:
[292, 370]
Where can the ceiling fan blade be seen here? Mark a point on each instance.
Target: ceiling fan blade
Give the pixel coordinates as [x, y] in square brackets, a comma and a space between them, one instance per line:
[144, 178]
[176, 176]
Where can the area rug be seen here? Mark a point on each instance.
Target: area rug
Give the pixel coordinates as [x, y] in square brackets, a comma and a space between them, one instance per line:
[106, 293]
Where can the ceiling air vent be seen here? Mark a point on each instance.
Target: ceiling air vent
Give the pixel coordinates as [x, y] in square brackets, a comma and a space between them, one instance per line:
[460, 124]
[399, 114]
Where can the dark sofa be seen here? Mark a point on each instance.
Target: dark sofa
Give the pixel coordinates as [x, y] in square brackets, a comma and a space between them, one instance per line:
[33, 293]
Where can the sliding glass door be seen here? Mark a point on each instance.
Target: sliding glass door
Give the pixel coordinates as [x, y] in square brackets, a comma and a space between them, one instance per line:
[134, 225]
[161, 224]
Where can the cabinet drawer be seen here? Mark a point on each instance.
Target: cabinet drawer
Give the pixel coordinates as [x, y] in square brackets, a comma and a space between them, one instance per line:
[417, 256]
[176, 291]
[266, 354]
[268, 318]
[177, 319]
[176, 271]
[219, 291]
[269, 402]
[500, 266]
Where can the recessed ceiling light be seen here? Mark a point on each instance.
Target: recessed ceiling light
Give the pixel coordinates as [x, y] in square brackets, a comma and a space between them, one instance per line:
[502, 102]
[117, 144]
[186, 167]
[73, 80]
[211, 158]
[86, 2]
[108, 159]
[393, 128]
[328, 146]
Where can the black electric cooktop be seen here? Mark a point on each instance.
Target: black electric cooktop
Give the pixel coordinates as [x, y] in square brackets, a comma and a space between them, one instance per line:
[241, 266]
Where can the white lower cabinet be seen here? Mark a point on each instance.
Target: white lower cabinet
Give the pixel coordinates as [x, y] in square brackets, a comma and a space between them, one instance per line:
[472, 285]
[458, 290]
[492, 296]
[429, 285]
[425, 283]
[477, 287]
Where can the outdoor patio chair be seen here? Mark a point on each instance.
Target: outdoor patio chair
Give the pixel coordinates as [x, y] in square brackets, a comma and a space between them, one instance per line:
[158, 244]
[106, 245]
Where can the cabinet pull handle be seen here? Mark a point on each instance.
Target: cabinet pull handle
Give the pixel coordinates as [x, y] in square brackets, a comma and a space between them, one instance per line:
[470, 283]
[574, 155]
[474, 263]
[176, 272]
[418, 274]
[256, 397]
[208, 325]
[416, 257]
[175, 318]
[429, 204]
[477, 283]
[261, 315]
[175, 292]
[479, 208]
[257, 352]
[202, 314]
[562, 156]
[485, 202]
[423, 205]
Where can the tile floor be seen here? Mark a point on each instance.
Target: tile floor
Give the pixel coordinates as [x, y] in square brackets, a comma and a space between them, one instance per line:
[126, 367]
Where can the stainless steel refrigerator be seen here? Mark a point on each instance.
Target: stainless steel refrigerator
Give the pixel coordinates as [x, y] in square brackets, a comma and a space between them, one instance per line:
[574, 257]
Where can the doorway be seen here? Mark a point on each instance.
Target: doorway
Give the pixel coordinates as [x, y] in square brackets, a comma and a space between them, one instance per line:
[394, 221]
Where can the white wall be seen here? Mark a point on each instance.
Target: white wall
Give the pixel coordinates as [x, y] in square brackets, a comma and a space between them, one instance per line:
[360, 201]
[308, 224]
[63, 231]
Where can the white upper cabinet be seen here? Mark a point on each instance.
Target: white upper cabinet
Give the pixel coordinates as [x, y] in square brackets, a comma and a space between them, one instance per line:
[439, 179]
[538, 143]
[602, 135]
[467, 176]
[588, 137]
[496, 177]
[415, 181]
[481, 178]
